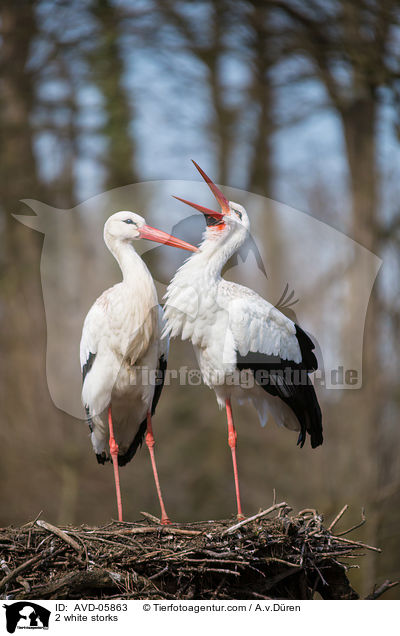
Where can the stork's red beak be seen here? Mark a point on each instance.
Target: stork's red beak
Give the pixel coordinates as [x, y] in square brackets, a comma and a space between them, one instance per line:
[223, 201]
[148, 232]
[201, 208]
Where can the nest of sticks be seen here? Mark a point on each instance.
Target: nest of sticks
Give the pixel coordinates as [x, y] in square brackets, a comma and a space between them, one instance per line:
[274, 555]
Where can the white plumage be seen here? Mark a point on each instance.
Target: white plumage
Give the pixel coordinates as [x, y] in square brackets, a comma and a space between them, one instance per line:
[233, 329]
[121, 332]
[121, 350]
[225, 319]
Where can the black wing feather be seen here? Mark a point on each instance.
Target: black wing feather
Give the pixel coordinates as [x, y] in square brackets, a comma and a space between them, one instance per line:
[290, 382]
[88, 365]
[85, 370]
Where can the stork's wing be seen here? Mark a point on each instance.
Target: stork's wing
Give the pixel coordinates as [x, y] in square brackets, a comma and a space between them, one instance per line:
[92, 327]
[88, 350]
[162, 361]
[257, 326]
[98, 364]
[280, 355]
[163, 341]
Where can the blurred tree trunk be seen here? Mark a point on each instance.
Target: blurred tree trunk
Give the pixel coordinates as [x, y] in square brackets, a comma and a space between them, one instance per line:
[260, 178]
[359, 127]
[18, 166]
[22, 332]
[261, 171]
[27, 409]
[222, 124]
[107, 67]
[20, 283]
[358, 36]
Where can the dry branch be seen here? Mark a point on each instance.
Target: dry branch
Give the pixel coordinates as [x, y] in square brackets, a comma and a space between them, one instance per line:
[381, 589]
[338, 516]
[59, 533]
[260, 515]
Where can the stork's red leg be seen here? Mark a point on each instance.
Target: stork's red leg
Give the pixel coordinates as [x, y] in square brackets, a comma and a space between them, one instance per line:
[114, 457]
[232, 437]
[150, 445]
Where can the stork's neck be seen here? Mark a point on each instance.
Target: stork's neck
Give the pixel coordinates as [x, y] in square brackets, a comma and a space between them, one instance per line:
[215, 251]
[134, 270]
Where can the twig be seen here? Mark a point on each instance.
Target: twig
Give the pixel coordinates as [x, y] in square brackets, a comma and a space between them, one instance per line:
[151, 518]
[126, 546]
[204, 570]
[342, 553]
[357, 525]
[84, 546]
[144, 530]
[386, 585]
[220, 561]
[167, 530]
[274, 559]
[308, 511]
[43, 541]
[256, 595]
[358, 544]
[218, 555]
[253, 518]
[175, 556]
[320, 575]
[284, 510]
[32, 523]
[59, 533]
[149, 555]
[338, 516]
[158, 574]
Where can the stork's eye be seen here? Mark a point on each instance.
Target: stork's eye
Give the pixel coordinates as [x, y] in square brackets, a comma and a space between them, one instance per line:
[239, 214]
[129, 221]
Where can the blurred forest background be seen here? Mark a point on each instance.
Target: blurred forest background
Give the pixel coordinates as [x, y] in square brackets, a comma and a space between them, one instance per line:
[296, 101]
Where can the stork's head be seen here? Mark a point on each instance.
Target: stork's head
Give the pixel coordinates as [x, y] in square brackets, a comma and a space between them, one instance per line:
[127, 226]
[232, 218]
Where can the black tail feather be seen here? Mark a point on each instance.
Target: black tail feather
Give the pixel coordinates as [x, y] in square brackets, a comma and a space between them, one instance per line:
[102, 458]
[137, 441]
[310, 419]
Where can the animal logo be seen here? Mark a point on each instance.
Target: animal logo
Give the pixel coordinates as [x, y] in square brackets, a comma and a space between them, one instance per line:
[26, 615]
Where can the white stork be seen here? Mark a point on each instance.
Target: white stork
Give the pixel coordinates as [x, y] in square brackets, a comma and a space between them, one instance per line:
[121, 333]
[233, 329]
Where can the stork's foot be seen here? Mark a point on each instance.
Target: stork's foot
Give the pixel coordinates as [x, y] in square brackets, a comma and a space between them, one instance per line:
[165, 521]
[240, 517]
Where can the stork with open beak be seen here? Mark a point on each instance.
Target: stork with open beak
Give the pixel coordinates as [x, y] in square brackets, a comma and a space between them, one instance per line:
[233, 329]
[121, 350]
